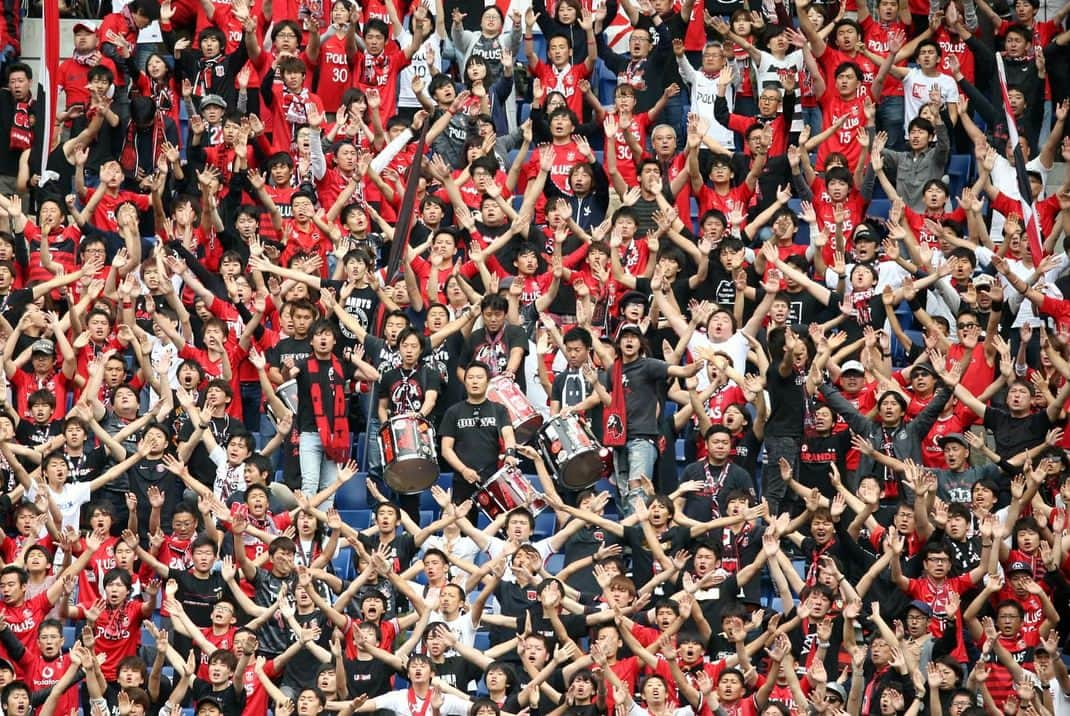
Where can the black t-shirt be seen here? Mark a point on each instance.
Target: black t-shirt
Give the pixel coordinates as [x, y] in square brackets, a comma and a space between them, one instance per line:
[476, 430]
[306, 415]
[232, 700]
[718, 482]
[88, 466]
[32, 434]
[804, 308]
[300, 672]
[570, 388]
[201, 466]
[745, 449]
[297, 349]
[583, 544]
[406, 390]
[673, 539]
[457, 672]
[371, 677]
[148, 473]
[361, 303]
[787, 403]
[495, 350]
[1013, 435]
[199, 596]
[401, 549]
[816, 453]
[644, 382]
[443, 360]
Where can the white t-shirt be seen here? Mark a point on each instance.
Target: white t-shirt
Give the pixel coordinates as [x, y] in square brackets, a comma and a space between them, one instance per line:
[461, 627]
[461, 547]
[497, 546]
[68, 501]
[736, 347]
[228, 480]
[417, 68]
[916, 86]
[398, 702]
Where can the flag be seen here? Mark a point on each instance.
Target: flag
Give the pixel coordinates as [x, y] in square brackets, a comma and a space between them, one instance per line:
[407, 210]
[1030, 220]
[48, 75]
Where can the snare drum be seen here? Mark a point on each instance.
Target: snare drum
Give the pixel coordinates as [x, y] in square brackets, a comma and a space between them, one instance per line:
[287, 393]
[525, 420]
[506, 490]
[407, 444]
[571, 451]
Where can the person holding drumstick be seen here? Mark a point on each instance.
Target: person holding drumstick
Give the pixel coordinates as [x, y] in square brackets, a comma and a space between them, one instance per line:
[472, 432]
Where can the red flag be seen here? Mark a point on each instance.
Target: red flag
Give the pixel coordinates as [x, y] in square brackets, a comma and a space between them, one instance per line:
[48, 74]
[1030, 220]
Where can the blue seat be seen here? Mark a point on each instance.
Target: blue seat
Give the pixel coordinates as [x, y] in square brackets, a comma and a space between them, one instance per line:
[958, 173]
[343, 564]
[555, 563]
[879, 208]
[353, 495]
[426, 517]
[681, 451]
[482, 641]
[357, 519]
[70, 635]
[545, 524]
[359, 443]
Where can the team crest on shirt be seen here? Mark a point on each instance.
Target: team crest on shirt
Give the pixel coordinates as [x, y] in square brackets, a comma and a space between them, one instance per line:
[220, 70]
[532, 595]
[600, 536]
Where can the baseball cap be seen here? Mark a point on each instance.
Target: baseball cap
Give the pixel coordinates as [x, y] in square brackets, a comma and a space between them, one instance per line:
[1019, 566]
[983, 279]
[923, 367]
[921, 606]
[43, 345]
[213, 99]
[84, 26]
[835, 687]
[630, 328]
[863, 232]
[209, 701]
[852, 366]
[632, 297]
[952, 438]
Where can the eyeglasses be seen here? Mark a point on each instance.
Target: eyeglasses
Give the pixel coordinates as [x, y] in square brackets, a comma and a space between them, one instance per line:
[285, 34]
[967, 326]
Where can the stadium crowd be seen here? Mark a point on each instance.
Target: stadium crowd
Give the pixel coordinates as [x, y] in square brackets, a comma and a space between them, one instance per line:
[630, 358]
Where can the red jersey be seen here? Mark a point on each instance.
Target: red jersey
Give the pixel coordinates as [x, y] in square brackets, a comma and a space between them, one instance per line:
[626, 160]
[566, 156]
[959, 421]
[917, 224]
[90, 579]
[833, 58]
[952, 46]
[876, 34]
[935, 595]
[43, 675]
[737, 197]
[381, 72]
[335, 71]
[845, 139]
[565, 80]
[224, 641]
[118, 634]
[23, 622]
[122, 24]
[26, 382]
[73, 79]
[104, 215]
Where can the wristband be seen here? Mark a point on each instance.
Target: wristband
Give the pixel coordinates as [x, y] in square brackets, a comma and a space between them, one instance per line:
[997, 307]
[823, 644]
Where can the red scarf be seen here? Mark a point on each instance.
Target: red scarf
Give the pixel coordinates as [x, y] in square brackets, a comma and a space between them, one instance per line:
[615, 416]
[129, 157]
[412, 703]
[332, 424]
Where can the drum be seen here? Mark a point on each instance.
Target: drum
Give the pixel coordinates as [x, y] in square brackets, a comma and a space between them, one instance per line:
[407, 444]
[506, 490]
[287, 393]
[572, 452]
[525, 420]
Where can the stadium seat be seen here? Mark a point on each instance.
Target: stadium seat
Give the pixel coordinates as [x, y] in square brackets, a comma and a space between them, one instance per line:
[555, 563]
[958, 173]
[879, 208]
[353, 495]
[545, 523]
[343, 564]
[482, 642]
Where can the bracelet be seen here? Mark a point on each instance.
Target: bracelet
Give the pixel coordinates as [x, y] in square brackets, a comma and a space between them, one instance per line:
[823, 644]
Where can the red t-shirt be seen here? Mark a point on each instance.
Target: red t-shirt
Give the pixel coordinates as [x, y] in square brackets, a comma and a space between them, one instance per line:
[936, 596]
[564, 80]
[118, 634]
[335, 72]
[626, 160]
[845, 140]
[24, 620]
[381, 72]
[104, 216]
